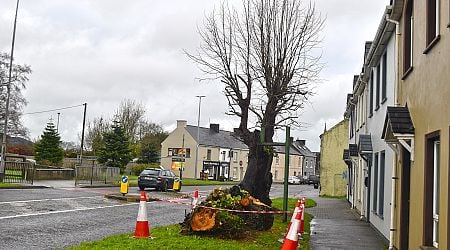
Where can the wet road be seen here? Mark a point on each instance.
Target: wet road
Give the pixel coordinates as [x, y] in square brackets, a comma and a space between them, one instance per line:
[60, 217]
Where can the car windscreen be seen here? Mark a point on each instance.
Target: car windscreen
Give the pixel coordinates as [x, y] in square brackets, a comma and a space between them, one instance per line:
[150, 172]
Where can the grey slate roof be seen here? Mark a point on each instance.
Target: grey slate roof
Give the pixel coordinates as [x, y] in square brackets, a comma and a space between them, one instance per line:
[302, 149]
[346, 155]
[282, 150]
[365, 144]
[223, 139]
[398, 120]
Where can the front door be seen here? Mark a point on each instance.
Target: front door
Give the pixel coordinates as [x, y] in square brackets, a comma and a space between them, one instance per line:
[405, 197]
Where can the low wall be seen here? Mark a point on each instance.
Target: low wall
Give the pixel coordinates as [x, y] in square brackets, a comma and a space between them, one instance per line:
[54, 174]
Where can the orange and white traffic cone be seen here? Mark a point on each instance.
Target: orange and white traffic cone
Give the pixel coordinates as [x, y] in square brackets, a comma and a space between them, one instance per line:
[291, 240]
[142, 227]
[195, 199]
[297, 207]
[302, 219]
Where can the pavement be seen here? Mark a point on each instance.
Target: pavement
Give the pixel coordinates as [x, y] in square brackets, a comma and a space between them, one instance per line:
[336, 226]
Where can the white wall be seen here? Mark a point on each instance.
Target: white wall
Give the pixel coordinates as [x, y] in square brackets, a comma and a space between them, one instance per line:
[375, 126]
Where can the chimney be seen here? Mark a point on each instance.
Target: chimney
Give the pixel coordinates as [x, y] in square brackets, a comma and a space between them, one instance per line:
[214, 128]
[181, 123]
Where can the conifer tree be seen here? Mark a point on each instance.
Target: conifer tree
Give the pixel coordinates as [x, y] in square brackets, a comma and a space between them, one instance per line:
[48, 149]
[116, 149]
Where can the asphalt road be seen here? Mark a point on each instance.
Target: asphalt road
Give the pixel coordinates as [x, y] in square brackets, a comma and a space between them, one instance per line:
[60, 217]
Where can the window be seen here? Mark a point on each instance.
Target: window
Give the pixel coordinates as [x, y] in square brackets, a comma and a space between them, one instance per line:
[377, 93]
[371, 96]
[432, 23]
[408, 41]
[381, 192]
[277, 159]
[384, 78]
[235, 156]
[432, 189]
[223, 153]
[375, 183]
[208, 154]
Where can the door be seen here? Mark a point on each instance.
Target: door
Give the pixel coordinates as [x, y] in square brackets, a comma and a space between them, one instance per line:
[405, 197]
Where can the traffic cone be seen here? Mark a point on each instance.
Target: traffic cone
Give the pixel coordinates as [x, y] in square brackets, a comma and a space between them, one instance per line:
[142, 228]
[291, 240]
[297, 207]
[302, 219]
[195, 199]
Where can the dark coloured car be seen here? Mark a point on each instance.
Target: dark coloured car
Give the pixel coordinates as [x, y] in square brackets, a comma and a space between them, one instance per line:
[313, 179]
[158, 178]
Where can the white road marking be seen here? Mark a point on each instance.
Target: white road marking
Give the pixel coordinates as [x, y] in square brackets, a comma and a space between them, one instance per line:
[58, 199]
[65, 211]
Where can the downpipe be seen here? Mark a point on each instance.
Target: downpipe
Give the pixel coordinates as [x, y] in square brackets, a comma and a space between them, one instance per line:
[394, 161]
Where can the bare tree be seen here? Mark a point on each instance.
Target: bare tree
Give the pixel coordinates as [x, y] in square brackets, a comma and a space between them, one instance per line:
[265, 55]
[17, 101]
[94, 135]
[130, 114]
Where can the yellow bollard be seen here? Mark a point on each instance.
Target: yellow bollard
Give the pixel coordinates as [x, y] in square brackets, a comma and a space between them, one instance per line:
[124, 185]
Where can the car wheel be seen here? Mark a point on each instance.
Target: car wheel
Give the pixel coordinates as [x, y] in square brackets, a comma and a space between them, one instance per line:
[141, 188]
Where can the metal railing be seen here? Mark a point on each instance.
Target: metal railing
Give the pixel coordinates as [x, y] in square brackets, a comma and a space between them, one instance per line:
[19, 172]
[95, 174]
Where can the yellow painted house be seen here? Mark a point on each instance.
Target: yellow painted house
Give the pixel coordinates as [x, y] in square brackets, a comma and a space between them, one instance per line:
[333, 170]
[418, 126]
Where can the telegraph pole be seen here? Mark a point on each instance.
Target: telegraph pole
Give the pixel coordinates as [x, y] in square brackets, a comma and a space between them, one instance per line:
[82, 133]
[8, 94]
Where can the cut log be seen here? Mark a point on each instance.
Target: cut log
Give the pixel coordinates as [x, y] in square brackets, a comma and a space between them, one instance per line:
[203, 220]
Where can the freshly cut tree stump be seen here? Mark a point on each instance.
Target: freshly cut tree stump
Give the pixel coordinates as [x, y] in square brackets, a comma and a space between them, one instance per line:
[203, 220]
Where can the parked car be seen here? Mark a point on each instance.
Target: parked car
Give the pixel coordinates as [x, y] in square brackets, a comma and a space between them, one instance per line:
[313, 179]
[293, 180]
[303, 179]
[158, 178]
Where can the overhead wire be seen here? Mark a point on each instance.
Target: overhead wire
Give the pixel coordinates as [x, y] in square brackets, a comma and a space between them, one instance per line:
[51, 110]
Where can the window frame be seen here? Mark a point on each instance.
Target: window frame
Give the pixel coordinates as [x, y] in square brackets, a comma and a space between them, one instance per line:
[382, 170]
[408, 31]
[429, 189]
[377, 87]
[371, 94]
[432, 24]
[375, 183]
[384, 78]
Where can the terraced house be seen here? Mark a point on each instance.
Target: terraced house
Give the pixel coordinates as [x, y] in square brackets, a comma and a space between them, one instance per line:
[400, 127]
[221, 154]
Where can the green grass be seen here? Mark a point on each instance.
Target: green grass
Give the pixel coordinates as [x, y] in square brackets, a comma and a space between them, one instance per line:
[169, 237]
[3, 184]
[194, 182]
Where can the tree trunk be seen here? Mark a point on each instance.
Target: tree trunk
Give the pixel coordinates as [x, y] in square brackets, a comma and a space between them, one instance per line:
[258, 178]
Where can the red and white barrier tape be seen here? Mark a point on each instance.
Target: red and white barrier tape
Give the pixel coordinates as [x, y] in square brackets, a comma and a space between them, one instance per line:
[220, 209]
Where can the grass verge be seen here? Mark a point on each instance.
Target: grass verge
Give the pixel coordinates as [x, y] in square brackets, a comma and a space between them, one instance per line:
[187, 182]
[5, 184]
[169, 237]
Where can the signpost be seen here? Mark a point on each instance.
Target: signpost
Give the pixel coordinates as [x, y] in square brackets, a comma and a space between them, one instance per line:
[287, 145]
[124, 185]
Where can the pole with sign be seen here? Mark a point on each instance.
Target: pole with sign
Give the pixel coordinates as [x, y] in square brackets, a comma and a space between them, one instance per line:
[124, 185]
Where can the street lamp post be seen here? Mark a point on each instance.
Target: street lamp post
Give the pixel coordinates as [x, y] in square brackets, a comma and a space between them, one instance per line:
[198, 134]
[8, 94]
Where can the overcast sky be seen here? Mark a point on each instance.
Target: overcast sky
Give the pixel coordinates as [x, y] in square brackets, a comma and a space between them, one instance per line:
[104, 51]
